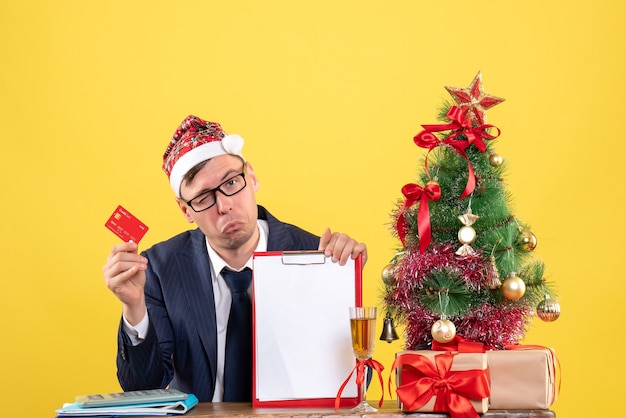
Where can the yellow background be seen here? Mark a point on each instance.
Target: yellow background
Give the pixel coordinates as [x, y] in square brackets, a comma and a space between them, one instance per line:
[328, 95]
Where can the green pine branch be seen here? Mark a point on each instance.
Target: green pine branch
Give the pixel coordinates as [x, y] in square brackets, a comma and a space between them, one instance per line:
[443, 292]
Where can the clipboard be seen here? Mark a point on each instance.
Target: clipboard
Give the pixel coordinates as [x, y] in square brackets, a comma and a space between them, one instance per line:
[302, 348]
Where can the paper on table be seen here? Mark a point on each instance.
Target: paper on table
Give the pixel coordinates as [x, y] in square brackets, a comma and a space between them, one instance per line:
[302, 327]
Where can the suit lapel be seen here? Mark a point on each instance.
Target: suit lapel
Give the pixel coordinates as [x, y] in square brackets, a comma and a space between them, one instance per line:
[279, 238]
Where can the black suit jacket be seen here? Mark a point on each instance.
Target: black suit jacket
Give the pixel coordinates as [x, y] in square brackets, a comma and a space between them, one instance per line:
[180, 349]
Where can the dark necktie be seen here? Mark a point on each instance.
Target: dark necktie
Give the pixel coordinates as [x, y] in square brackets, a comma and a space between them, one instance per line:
[238, 359]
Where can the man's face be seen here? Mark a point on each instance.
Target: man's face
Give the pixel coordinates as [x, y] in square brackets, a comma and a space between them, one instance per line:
[231, 223]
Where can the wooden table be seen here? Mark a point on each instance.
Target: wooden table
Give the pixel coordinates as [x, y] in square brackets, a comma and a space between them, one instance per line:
[389, 410]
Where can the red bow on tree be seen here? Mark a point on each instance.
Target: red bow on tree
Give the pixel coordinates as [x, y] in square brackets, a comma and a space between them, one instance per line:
[461, 126]
[414, 193]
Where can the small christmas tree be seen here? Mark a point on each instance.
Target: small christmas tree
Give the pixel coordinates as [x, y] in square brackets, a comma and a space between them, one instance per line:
[465, 267]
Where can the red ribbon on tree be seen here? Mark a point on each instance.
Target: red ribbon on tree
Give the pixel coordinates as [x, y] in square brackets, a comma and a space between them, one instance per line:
[360, 379]
[461, 125]
[414, 193]
[453, 389]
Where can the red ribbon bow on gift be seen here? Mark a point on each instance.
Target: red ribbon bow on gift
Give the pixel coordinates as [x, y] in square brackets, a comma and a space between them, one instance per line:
[414, 193]
[461, 125]
[360, 379]
[453, 389]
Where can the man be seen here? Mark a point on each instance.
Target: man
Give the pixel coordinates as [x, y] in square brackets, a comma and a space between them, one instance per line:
[178, 322]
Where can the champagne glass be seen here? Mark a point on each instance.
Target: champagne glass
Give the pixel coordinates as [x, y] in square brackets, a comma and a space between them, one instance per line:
[363, 328]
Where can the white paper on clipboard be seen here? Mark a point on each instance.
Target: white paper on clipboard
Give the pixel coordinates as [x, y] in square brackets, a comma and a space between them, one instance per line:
[303, 348]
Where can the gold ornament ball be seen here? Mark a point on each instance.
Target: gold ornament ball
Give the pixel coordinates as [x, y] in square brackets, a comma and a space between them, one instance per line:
[433, 182]
[528, 239]
[548, 310]
[513, 288]
[495, 160]
[389, 273]
[443, 331]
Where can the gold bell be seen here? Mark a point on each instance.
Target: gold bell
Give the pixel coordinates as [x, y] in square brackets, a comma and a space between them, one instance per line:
[389, 333]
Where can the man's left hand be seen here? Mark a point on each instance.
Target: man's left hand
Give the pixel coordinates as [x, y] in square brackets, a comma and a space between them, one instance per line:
[340, 246]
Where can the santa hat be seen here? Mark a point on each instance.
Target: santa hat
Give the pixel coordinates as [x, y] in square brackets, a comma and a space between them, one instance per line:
[195, 141]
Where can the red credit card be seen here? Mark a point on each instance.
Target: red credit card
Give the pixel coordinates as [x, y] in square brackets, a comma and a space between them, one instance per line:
[123, 224]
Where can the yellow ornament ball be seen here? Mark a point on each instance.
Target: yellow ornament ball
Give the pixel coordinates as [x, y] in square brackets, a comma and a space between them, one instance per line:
[513, 288]
[443, 331]
[389, 273]
[495, 160]
[528, 239]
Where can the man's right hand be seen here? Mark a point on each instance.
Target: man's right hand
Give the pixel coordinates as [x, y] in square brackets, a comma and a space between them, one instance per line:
[125, 276]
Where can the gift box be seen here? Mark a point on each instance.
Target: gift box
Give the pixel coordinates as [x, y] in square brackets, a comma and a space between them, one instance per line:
[522, 378]
[442, 381]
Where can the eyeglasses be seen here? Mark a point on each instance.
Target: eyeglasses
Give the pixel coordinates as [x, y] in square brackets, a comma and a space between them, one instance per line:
[230, 187]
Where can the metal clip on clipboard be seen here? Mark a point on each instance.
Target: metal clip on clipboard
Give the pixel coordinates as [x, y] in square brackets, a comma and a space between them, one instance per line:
[303, 257]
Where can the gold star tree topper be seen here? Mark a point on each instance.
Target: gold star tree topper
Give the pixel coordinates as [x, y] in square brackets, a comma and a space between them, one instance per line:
[474, 99]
